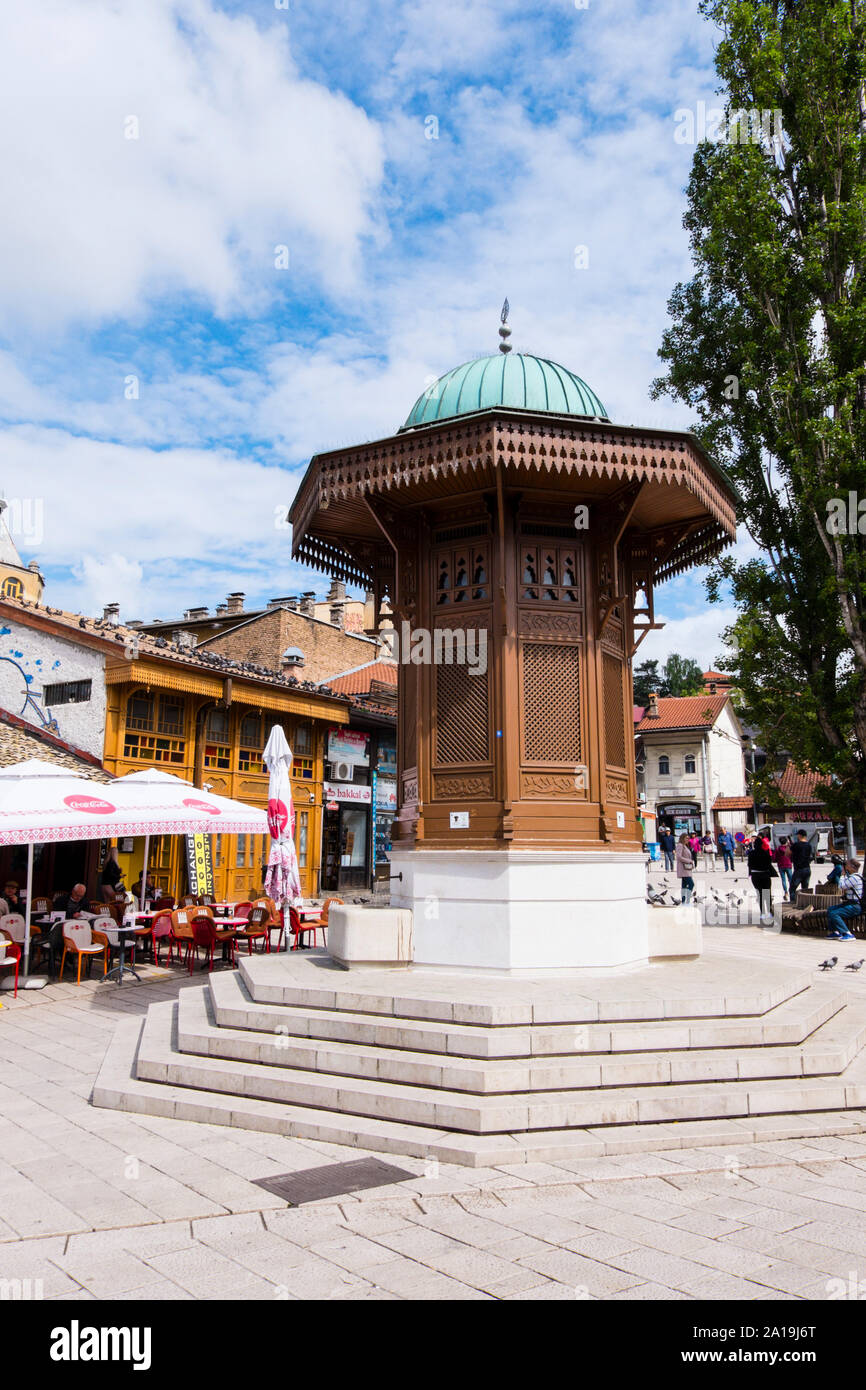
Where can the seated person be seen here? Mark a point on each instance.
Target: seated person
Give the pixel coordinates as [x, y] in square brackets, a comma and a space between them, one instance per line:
[73, 904]
[13, 896]
[150, 891]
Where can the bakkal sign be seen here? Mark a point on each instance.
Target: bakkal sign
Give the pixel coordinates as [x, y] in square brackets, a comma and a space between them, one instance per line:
[347, 791]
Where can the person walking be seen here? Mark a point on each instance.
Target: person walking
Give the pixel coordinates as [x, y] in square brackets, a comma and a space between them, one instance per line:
[685, 862]
[802, 855]
[667, 845]
[840, 914]
[762, 873]
[726, 845]
[784, 864]
[709, 852]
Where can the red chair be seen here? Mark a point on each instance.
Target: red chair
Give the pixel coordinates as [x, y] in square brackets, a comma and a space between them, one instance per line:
[206, 936]
[11, 956]
[160, 930]
[181, 933]
[243, 909]
[314, 923]
[299, 928]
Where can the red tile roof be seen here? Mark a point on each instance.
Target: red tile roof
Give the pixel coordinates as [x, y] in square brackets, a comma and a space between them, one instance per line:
[800, 787]
[733, 803]
[684, 712]
[360, 680]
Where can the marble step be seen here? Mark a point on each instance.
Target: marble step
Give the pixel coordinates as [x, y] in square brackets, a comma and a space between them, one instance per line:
[118, 1087]
[159, 1059]
[691, 990]
[789, 1022]
[828, 1051]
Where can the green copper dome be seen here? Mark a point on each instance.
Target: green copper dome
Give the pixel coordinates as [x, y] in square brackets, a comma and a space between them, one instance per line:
[518, 381]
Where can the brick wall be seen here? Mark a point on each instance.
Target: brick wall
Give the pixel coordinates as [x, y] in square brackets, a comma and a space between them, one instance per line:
[328, 651]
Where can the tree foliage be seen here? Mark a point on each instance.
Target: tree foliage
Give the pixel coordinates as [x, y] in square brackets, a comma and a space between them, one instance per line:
[680, 675]
[768, 343]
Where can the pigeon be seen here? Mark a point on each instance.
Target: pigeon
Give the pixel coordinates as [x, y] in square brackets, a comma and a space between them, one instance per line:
[828, 964]
[855, 964]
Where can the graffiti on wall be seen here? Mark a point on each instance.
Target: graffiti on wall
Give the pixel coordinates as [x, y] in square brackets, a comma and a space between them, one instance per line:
[21, 680]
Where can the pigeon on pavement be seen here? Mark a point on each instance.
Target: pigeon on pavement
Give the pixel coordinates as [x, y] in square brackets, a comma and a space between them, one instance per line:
[855, 964]
[828, 964]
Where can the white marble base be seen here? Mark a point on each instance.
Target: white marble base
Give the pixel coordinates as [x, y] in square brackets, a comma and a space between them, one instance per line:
[369, 936]
[524, 910]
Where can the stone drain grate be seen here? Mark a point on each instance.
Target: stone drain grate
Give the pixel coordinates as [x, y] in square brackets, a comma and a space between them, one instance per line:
[332, 1180]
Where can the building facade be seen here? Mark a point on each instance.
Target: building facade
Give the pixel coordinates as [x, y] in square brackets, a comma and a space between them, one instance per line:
[691, 753]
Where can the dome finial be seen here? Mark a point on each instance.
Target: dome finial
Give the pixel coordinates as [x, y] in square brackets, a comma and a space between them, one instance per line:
[505, 331]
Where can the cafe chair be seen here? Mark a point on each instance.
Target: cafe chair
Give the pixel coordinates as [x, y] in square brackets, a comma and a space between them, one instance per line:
[208, 900]
[243, 909]
[11, 956]
[78, 938]
[164, 901]
[189, 900]
[160, 930]
[41, 905]
[275, 921]
[321, 922]
[181, 934]
[257, 929]
[106, 936]
[298, 928]
[206, 936]
[13, 924]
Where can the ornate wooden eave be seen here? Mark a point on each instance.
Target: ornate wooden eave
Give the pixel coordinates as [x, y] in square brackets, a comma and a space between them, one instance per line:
[332, 529]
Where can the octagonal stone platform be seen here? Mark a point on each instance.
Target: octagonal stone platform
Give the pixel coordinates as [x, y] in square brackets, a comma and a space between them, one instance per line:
[480, 1070]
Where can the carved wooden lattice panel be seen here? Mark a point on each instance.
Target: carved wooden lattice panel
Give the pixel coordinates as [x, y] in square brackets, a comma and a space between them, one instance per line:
[614, 714]
[461, 718]
[551, 703]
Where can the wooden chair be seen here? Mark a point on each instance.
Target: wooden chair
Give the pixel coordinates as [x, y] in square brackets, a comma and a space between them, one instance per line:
[78, 938]
[189, 900]
[164, 902]
[40, 905]
[275, 922]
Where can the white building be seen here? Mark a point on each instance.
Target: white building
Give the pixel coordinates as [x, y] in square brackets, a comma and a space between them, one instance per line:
[691, 751]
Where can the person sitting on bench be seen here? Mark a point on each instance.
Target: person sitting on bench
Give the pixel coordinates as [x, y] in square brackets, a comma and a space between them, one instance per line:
[840, 914]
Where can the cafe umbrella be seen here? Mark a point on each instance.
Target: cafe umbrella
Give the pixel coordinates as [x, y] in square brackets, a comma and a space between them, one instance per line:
[282, 880]
[41, 803]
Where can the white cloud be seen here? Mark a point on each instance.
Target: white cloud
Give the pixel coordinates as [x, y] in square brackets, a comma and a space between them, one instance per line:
[236, 153]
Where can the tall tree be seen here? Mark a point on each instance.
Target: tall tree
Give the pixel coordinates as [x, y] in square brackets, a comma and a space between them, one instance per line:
[682, 676]
[768, 343]
[647, 678]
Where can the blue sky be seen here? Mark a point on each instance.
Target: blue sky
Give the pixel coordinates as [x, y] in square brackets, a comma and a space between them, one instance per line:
[164, 377]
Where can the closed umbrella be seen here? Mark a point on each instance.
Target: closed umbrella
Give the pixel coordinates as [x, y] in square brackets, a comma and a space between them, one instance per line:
[282, 880]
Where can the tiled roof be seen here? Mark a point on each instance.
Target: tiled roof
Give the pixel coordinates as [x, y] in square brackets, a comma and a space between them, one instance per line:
[134, 643]
[19, 741]
[360, 680]
[800, 787]
[684, 712]
[733, 803]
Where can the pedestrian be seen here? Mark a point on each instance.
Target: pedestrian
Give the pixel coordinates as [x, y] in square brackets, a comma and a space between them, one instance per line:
[110, 876]
[685, 862]
[784, 864]
[726, 845]
[840, 914]
[709, 852]
[762, 873]
[694, 842]
[667, 845]
[802, 855]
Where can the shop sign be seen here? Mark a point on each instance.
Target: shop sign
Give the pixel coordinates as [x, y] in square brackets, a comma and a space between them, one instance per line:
[386, 793]
[348, 746]
[347, 791]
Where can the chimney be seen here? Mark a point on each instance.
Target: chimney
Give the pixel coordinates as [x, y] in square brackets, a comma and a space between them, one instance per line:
[308, 604]
[192, 614]
[338, 614]
[291, 658]
[653, 711]
[284, 602]
[111, 613]
[182, 637]
[293, 603]
[221, 609]
[337, 590]
[236, 603]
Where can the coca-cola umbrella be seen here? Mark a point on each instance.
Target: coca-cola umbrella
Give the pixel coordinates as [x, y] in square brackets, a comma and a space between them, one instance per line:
[282, 880]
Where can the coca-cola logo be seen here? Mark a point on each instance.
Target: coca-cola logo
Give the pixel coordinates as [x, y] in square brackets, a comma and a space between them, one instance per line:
[278, 817]
[207, 806]
[92, 805]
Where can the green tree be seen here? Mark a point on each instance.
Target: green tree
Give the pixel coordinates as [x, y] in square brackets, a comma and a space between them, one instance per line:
[682, 676]
[647, 678]
[768, 344]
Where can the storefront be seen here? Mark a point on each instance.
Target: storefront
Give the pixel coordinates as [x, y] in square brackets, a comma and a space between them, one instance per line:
[345, 836]
[684, 817]
[384, 809]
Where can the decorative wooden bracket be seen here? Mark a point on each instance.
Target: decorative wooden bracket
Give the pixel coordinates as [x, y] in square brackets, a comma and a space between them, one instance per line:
[606, 609]
[643, 629]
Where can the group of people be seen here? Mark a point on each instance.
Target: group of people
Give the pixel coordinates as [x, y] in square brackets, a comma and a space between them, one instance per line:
[698, 845]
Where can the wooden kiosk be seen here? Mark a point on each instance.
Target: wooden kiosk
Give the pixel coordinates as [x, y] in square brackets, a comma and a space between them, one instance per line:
[519, 536]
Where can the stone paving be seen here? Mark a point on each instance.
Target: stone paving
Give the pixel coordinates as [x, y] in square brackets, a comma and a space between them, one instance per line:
[100, 1204]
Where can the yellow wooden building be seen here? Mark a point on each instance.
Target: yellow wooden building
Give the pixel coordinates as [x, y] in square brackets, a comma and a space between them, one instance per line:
[208, 722]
